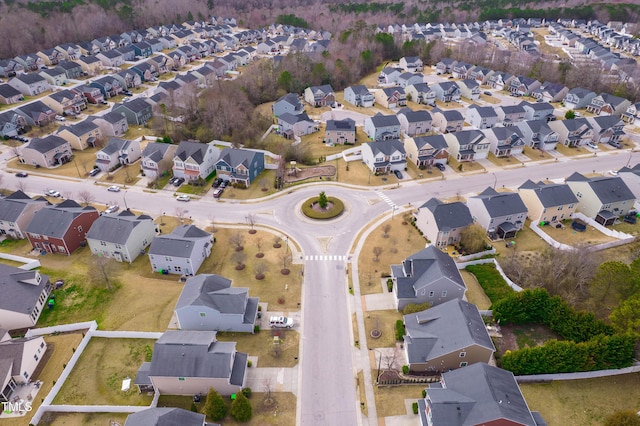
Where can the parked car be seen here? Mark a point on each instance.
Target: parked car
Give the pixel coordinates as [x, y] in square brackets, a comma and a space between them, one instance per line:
[224, 184]
[440, 167]
[592, 145]
[60, 118]
[112, 209]
[52, 193]
[488, 93]
[128, 93]
[94, 172]
[613, 172]
[172, 180]
[22, 174]
[398, 174]
[615, 144]
[113, 188]
[218, 193]
[280, 322]
[179, 181]
[104, 102]
[183, 197]
[217, 182]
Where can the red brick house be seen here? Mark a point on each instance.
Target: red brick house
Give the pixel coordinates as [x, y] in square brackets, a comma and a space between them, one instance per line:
[60, 228]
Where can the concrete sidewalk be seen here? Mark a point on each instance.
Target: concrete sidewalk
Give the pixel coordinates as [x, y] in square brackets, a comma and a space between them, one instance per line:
[279, 379]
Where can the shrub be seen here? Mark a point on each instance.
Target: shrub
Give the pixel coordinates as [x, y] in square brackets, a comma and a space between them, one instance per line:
[405, 369]
[424, 393]
[390, 285]
[249, 364]
[338, 208]
[399, 330]
[241, 408]
[414, 406]
[412, 308]
[491, 281]
[214, 406]
[246, 392]
[256, 329]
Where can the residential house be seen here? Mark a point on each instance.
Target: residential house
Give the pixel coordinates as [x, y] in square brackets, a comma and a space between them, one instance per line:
[30, 62]
[122, 237]
[631, 177]
[69, 51]
[194, 160]
[359, 96]
[319, 96]
[289, 103]
[446, 91]
[501, 214]
[480, 74]
[630, 116]
[111, 58]
[384, 156]
[295, 125]
[447, 120]
[93, 95]
[108, 85]
[548, 202]
[425, 151]
[192, 362]
[573, 133]
[446, 337]
[550, 92]
[429, 275]
[16, 211]
[509, 115]
[523, 86]
[157, 159]
[60, 228]
[145, 71]
[467, 145]
[420, 93]
[48, 152]
[340, 132]
[81, 135]
[26, 293]
[479, 394]
[538, 111]
[72, 69]
[54, 76]
[180, 252]
[11, 124]
[460, 70]
[66, 102]
[391, 97]
[142, 49]
[505, 141]
[442, 223]
[21, 358]
[537, 134]
[241, 166]
[90, 65]
[407, 79]
[604, 198]
[414, 122]
[445, 66]
[118, 152]
[606, 128]
[209, 303]
[30, 84]
[603, 104]
[112, 124]
[481, 117]
[578, 98]
[469, 89]
[50, 57]
[389, 75]
[159, 416]
[411, 64]
[36, 113]
[500, 80]
[138, 111]
[10, 68]
[10, 95]
[382, 127]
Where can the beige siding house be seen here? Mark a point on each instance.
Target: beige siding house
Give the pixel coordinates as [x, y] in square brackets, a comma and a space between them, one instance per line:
[548, 202]
[603, 198]
[442, 223]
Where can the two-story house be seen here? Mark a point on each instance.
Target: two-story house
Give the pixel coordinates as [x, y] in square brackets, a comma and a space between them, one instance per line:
[180, 252]
[447, 120]
[420, 93]
[389, 75]
[481, 117]
[289, 103]
[30, 84]
[425, 151]
[240, 166]
[500, 80]
[54, 76]
[319, 96]
[112, 124]
[407, 79]
[414, 122]
[10, 95]
[604, 198]
[501, 214]
[296, 125]
[442, 223]
[81, 135]
[359, 96]
[578, 98]
[382, 127]
[469, 89]
[504, 141]
[16, 211]
[606, 128]
[63, 102]
[26, 293]
[340, 132]
[138, 111]
[467, 145]
[47, 152]
[122, 237]
[446, 91]
[384, 156]
[573, 133]
[538, 111]
[411, 63]
[537, 134]
[156, 159]
[548, 202]
[509, 115]
[605, 104]
[118, 152]
[523, 86]
[391, 97]
[195, 160]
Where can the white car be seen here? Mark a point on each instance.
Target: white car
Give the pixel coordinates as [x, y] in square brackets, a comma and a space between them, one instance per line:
[613, 172]
[113, 188]
[183, 197]
[592, 145]
[112, 209]
[281, 322]
[60, 118]
[52, 193]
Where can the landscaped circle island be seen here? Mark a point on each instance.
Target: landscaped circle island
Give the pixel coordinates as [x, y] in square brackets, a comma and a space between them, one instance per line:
[322, 207]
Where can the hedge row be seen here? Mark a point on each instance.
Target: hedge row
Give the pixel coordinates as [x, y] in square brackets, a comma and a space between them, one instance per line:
[599, 353]
[494, 286]
[537, 306]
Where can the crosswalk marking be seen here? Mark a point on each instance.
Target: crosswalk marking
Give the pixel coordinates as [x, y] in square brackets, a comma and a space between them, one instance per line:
[386, 199]
[329, 257]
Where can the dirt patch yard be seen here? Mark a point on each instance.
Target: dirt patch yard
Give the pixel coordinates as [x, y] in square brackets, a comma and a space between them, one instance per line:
[310, 172]
[516, 337]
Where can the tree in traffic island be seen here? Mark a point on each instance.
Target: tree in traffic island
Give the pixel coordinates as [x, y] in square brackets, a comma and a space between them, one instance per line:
[322, 200]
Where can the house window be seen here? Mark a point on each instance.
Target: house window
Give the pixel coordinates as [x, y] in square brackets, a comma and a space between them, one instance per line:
[35, 357]
[42, 345]
[560, 208]
[177, 268]
[463, 354]
[26, 375]
[444, 293]
[102, 243]
[464, 364]
[570, 206]
[431, 294]
[61, 249]
[203, 314]
[79, 228]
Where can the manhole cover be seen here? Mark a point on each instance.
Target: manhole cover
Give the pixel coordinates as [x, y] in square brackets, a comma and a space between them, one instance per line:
[318, 416]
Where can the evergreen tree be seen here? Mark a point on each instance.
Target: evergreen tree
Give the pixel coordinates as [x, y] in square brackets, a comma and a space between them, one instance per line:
[214, 406]
[241, 408]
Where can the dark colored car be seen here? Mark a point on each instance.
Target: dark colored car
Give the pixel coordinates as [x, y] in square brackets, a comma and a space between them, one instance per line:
[217, 182]
[398, 174]
[440, 167]
[178, 181]
[22, 174]
[224, 184]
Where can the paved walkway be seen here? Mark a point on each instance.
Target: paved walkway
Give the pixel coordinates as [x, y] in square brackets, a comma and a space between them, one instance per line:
[379, 301]
[278, 379]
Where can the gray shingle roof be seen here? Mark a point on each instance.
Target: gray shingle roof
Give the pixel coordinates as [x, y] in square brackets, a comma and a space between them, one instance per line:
[444, 329]
[8, 91]
[235, 157]
[54, 221]
[47, 143]
[608, 189]
[435, 141]
[501, 203]
[116, 228]
[155, 151]
[81, 128]
[179, 243]
[12, 351]
[12, 206]
[415, 116]
[195, 150]
[450, 215]
[360, 89]
[380, 120]
[294, 118]
[387, 147]
[165, 416]
[17, 295]
[551, 194]
[136, 105]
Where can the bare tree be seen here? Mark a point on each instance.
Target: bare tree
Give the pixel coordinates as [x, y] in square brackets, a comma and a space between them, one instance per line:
[385, 229]
[67, 195]
[103, 271]
[394, 242]
[377, 251]
[251, 220]
[266, 386]
[86, 197]
[277, 241]
[285, 260]
[473, 238]
[260, 269]
[239, 257]
[180, 213]
[259, 243]
[237, 239]
[21, 186]
[390, 358]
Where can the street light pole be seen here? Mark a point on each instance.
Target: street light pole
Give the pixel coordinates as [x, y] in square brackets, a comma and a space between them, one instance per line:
[495, 180]
[124, 198]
